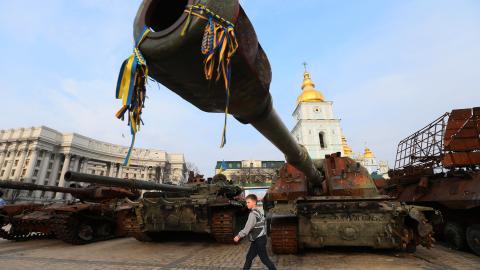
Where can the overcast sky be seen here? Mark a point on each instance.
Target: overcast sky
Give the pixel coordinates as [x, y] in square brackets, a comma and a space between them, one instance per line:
[390, 67]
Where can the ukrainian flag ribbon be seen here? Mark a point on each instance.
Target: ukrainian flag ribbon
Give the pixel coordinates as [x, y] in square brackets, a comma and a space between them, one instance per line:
[131, 83]
[219, 44]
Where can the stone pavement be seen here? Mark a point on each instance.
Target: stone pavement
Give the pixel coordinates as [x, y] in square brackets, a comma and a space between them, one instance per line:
[127, 253]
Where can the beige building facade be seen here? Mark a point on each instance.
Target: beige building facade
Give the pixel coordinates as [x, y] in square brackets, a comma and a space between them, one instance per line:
[42, 155]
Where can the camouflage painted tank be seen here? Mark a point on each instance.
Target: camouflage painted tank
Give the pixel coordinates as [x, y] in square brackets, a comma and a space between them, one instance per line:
[198, 207]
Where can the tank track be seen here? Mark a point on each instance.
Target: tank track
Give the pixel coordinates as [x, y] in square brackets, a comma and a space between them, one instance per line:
[67, 230]
[20, 230]
[284, 238]
[223, 226]
[132, 226]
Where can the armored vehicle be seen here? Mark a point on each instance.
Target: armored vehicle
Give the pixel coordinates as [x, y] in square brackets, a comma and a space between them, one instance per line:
[97, 216]
[197, 207]
[208, 53]
[347, 210]
[439, 166]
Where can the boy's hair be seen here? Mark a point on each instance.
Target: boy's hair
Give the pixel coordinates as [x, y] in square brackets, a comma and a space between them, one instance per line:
[252, 197]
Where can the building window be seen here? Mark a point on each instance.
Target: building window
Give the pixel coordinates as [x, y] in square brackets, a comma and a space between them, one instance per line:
[52, 156]
[38, 163]
[101, 172]
[29, 153]
[47, 175]
[26, 162]
[18, 153]
[143, 175]
[2, 173]
[5, 164]
[24, 172]
[40, 154]
[50, 165]
[16, 163]
[13, 172]
[92, 172]
[8, 154]
[35, 173]
[134, 175]
[126, 175]
[322, 140]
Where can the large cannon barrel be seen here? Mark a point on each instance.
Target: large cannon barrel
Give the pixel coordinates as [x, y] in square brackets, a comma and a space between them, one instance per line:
[29, 186]
[172, 51]
[125, 183]
[92, 193]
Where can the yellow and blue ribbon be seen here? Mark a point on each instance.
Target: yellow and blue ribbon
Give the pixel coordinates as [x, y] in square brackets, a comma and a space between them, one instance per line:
[131, 89]
[219, 44]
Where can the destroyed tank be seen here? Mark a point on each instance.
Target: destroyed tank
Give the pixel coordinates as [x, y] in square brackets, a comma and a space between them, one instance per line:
[197, 207]
[207, 52]
[98, 215]
[439, 166]
[345, 210]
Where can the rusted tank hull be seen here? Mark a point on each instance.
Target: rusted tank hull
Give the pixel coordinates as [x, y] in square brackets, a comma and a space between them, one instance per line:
[457, 197]
[346, 221]
[351, 213]
[15, 225]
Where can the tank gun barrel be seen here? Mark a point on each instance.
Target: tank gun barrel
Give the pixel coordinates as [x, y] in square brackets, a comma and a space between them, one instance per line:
[93, 194]
[172, 51]
[8, 184]
[125, 183]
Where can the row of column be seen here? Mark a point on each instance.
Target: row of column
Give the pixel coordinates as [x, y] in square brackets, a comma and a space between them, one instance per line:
[113, 169]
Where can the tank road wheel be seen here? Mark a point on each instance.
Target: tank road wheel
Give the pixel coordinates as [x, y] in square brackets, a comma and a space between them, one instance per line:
[454, 234]
[71, 230]
[473, 238]
[284, 238]
[85, 232]
[223, 226]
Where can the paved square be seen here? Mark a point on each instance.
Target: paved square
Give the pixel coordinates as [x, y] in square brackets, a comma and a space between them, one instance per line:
[128, 253]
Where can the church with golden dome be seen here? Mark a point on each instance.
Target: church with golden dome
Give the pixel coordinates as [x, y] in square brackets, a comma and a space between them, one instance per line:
[320, 132]
[316, 127]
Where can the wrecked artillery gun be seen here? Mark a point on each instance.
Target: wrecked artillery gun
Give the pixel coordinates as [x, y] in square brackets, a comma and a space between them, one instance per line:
[186, 45]
[210, 208]
[97, 216]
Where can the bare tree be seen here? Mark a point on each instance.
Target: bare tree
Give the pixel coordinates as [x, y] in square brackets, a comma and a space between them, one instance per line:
[192, 167]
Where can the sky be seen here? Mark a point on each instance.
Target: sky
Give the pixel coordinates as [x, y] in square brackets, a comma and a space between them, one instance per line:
[390, 68]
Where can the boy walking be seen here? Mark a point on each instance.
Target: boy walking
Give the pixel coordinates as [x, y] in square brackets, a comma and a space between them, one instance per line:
[255, 228]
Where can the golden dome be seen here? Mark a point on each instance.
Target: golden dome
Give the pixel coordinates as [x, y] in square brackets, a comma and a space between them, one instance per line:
[309, 93]
[347, 151]
[368, 153]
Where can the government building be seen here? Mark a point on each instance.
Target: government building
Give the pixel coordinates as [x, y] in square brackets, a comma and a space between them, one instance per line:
[42, 155]
[249, 172]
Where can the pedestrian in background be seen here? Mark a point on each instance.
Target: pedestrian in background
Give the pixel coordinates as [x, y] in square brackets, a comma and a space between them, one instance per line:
[2, 201]
[256, 230]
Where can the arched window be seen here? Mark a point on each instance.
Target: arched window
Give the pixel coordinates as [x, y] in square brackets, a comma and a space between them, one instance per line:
[322, 140]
